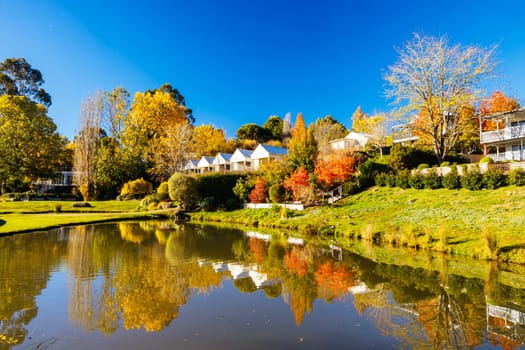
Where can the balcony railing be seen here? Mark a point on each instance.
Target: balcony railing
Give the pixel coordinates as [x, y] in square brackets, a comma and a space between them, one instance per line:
[506, 134]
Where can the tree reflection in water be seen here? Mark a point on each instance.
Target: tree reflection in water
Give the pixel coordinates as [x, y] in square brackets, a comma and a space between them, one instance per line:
[138, 275]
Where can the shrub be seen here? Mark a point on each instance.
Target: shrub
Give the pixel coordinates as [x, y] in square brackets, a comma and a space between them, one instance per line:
[277, 193]
[183, 189]
[444, 164]
[220, 186]
[136, 189]
[472, 179]
[260, 193]
[402, 177]
[207, 204]
[416, 181]
[432, 180]
[369, 170]
[517, 177]
[486, 159]
[390, 180]
[403, 157]
[422, 166]
[351, 187]
[163, 191]
[452, 180]
[242, 189]
[494, 178]
[380, 180]
[150, 200]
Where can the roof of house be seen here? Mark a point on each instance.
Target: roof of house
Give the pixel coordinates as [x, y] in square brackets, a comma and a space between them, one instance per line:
[191, 164]
[263, 151]
[205, 162]
[222, 158]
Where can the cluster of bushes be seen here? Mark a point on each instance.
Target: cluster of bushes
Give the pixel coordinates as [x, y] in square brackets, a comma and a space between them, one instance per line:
[472, 179]
[29, 196]
[207, 192]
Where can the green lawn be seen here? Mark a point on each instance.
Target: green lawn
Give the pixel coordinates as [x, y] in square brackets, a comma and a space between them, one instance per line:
[39, 215]
[458, 222]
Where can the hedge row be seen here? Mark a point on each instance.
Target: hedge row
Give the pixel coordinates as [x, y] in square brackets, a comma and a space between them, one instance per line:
[472, 180]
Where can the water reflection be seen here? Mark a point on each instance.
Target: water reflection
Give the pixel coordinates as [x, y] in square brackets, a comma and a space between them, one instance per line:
[139, 275]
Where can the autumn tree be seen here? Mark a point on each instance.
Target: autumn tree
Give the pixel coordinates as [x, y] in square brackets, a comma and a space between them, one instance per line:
[335, 169]
[19, 78]
[208, 140]
[298, 183]
[30, 147]
[150, 114]
[327, 129]
[496, 103]
[260, 193]
[171, 150]
[115, 105]
[287, 128]
[435, 81]
[302, 148]
[177, 97]
[86, 147]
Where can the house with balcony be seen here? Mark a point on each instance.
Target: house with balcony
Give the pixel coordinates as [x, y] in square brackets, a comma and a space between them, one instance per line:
[403, 134]
[502, 135]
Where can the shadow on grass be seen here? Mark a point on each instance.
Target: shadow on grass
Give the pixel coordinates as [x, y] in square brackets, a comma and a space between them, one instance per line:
[2, 222]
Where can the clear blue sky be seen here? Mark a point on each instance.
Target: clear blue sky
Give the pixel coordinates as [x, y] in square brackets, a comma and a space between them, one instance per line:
[240, 61]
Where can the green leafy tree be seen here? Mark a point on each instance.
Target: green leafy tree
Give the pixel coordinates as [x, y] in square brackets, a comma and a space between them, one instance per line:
[253, 132]
[275, 125]
[18, 78]
[183, 190]
[29, 144]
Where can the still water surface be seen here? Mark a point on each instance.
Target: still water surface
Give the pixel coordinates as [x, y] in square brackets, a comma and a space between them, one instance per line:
[150, 285]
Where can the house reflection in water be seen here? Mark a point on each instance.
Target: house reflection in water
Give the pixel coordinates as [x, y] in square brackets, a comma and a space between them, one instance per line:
[506, 322]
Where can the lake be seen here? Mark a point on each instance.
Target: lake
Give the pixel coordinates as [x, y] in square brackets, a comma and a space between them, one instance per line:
[155, 285]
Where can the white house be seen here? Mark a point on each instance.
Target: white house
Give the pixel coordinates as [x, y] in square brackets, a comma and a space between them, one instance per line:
[191, 166]
[503, 135]
[265, 153]
[221, 162]
[354, 140]
[205, 164]
[241, 160]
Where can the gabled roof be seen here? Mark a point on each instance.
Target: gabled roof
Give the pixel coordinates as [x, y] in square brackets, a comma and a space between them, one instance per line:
[222, 158]
[205, 162]
[241, 155]
[191, 164]
[265, 151]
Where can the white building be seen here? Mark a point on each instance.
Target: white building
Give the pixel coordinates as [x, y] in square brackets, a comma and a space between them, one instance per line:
[266, 153]
[241, 160]
[221, 162]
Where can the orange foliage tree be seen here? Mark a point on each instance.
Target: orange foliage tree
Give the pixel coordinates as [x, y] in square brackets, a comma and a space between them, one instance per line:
[335, 169]
[260, 193]
[496, 103]
[335, 278]
[298, 183]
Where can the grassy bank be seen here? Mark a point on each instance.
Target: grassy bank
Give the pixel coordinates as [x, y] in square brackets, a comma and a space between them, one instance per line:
[481, 224]
[39, 215]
